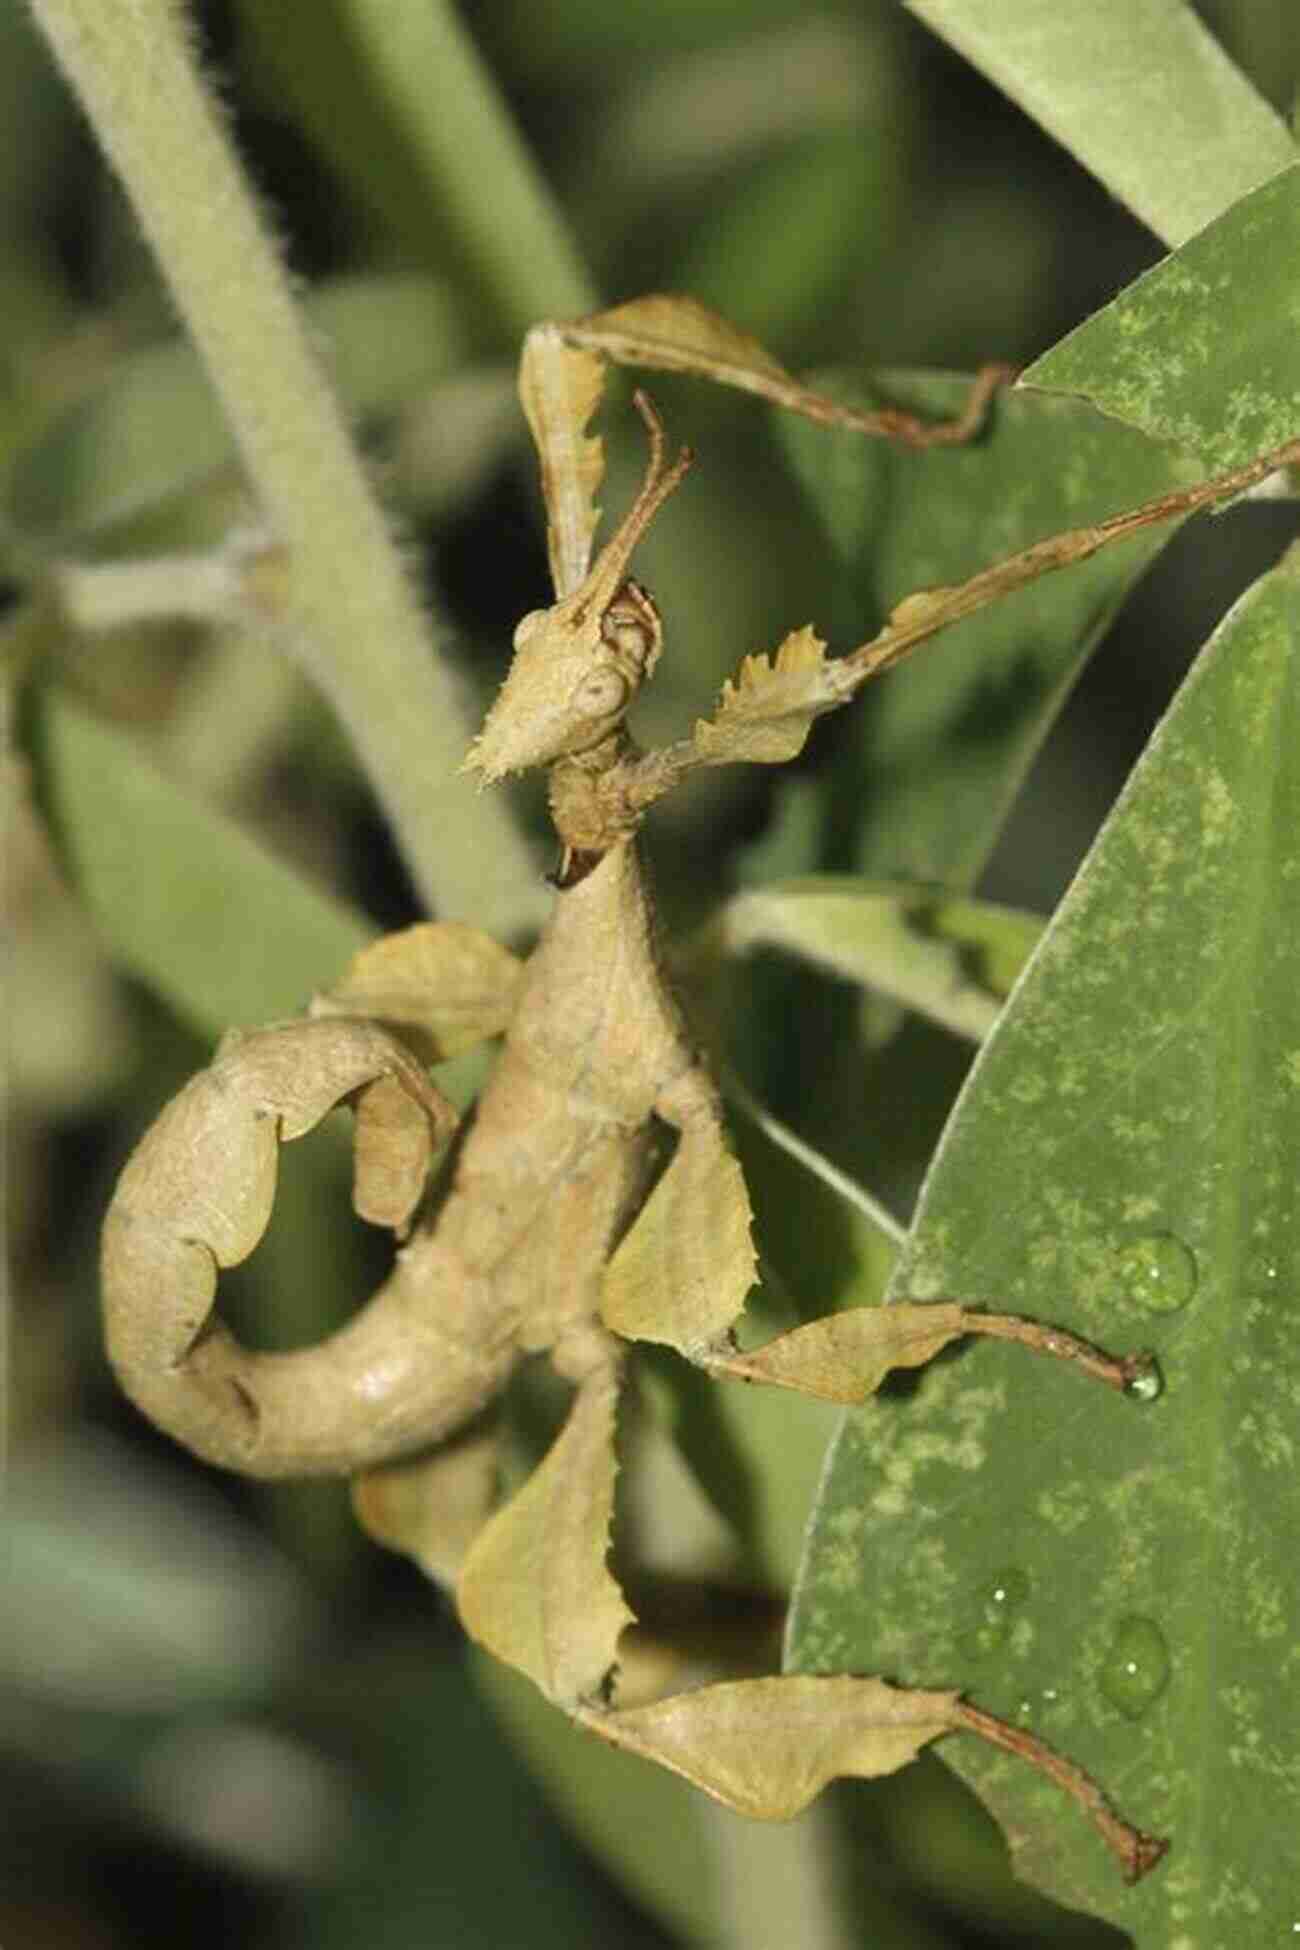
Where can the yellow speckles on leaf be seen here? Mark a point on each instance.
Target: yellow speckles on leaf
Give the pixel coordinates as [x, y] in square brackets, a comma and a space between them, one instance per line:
[1218, 809]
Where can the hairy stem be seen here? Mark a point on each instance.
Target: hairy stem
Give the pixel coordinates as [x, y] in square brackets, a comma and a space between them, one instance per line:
[352, 615]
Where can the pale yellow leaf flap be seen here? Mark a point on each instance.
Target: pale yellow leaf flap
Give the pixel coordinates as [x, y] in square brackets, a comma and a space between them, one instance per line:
[766, 711]
[534, 1588]
[392, 1151]
[433, 1507]
[767, 1747]
[196, 1194]
[443, 985]
[681, 1274]
[560, 387]
[676, 334]
[845, 1357]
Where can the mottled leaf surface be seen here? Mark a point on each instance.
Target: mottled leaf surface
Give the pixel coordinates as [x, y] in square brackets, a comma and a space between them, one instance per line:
[1123, 1578]
[1204, 349]
[1138, 90]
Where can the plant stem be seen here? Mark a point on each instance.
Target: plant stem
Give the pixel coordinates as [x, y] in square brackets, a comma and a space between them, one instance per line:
[352, 615]
[461, 136]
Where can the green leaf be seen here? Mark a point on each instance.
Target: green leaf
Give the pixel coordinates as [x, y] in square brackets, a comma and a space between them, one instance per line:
[905, 942]
[1203, 350]
[155, 427]
[1138, 90]
[1122, 1163]
[186, 900]
[783, 246]
[945, 743]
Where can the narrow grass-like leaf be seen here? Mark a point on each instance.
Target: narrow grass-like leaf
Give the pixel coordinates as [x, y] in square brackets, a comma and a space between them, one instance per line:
[951, 960]
[187, 901]
[1122, 1578]
[155, 427]
[1138, 90]
[944, 745]
[1203, 350]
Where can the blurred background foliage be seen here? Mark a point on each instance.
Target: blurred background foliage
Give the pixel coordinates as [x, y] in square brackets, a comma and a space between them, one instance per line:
[223, 1715]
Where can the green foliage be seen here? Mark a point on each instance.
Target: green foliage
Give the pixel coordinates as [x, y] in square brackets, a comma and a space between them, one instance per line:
[218, 928]
[1124, 1580]
[1201, 351]
[1139, 92]
[1120, 1159]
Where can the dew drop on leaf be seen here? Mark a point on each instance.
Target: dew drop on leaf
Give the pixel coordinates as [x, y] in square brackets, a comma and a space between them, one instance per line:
[1136, 1671]
[1040, 1706]
[1158, 1271]
[996, 1603]
[1147, 1385]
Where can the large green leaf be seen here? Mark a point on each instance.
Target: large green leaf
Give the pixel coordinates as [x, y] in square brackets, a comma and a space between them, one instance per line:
[945, 743]
[1121, 1162]
[1204, 349]
[185, 899]
[1138, 90]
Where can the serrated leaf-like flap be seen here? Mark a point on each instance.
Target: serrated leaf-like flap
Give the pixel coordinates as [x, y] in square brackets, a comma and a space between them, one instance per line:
[560, 387]
[445, 986]
[681, 1274]
[535, 1590]
[196, 1195]
[846, 1356]
[432, 1507]
[767, 1747]
[766, 711]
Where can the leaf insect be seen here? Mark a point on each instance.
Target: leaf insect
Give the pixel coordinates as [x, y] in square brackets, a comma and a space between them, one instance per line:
[548, 1240]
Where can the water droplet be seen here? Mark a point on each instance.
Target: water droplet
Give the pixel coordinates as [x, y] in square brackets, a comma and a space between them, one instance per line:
[997, 1601]
[1137, 1666]
[1148, 1384]
[1038, 1708]
[1158, 1271]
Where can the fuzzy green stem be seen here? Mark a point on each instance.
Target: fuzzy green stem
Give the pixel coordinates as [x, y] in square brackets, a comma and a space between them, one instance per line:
[351, 612]
[470, 153]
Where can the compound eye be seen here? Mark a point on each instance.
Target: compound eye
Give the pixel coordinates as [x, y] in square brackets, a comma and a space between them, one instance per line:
[603, 693]
[631, 627]
[528, 626]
